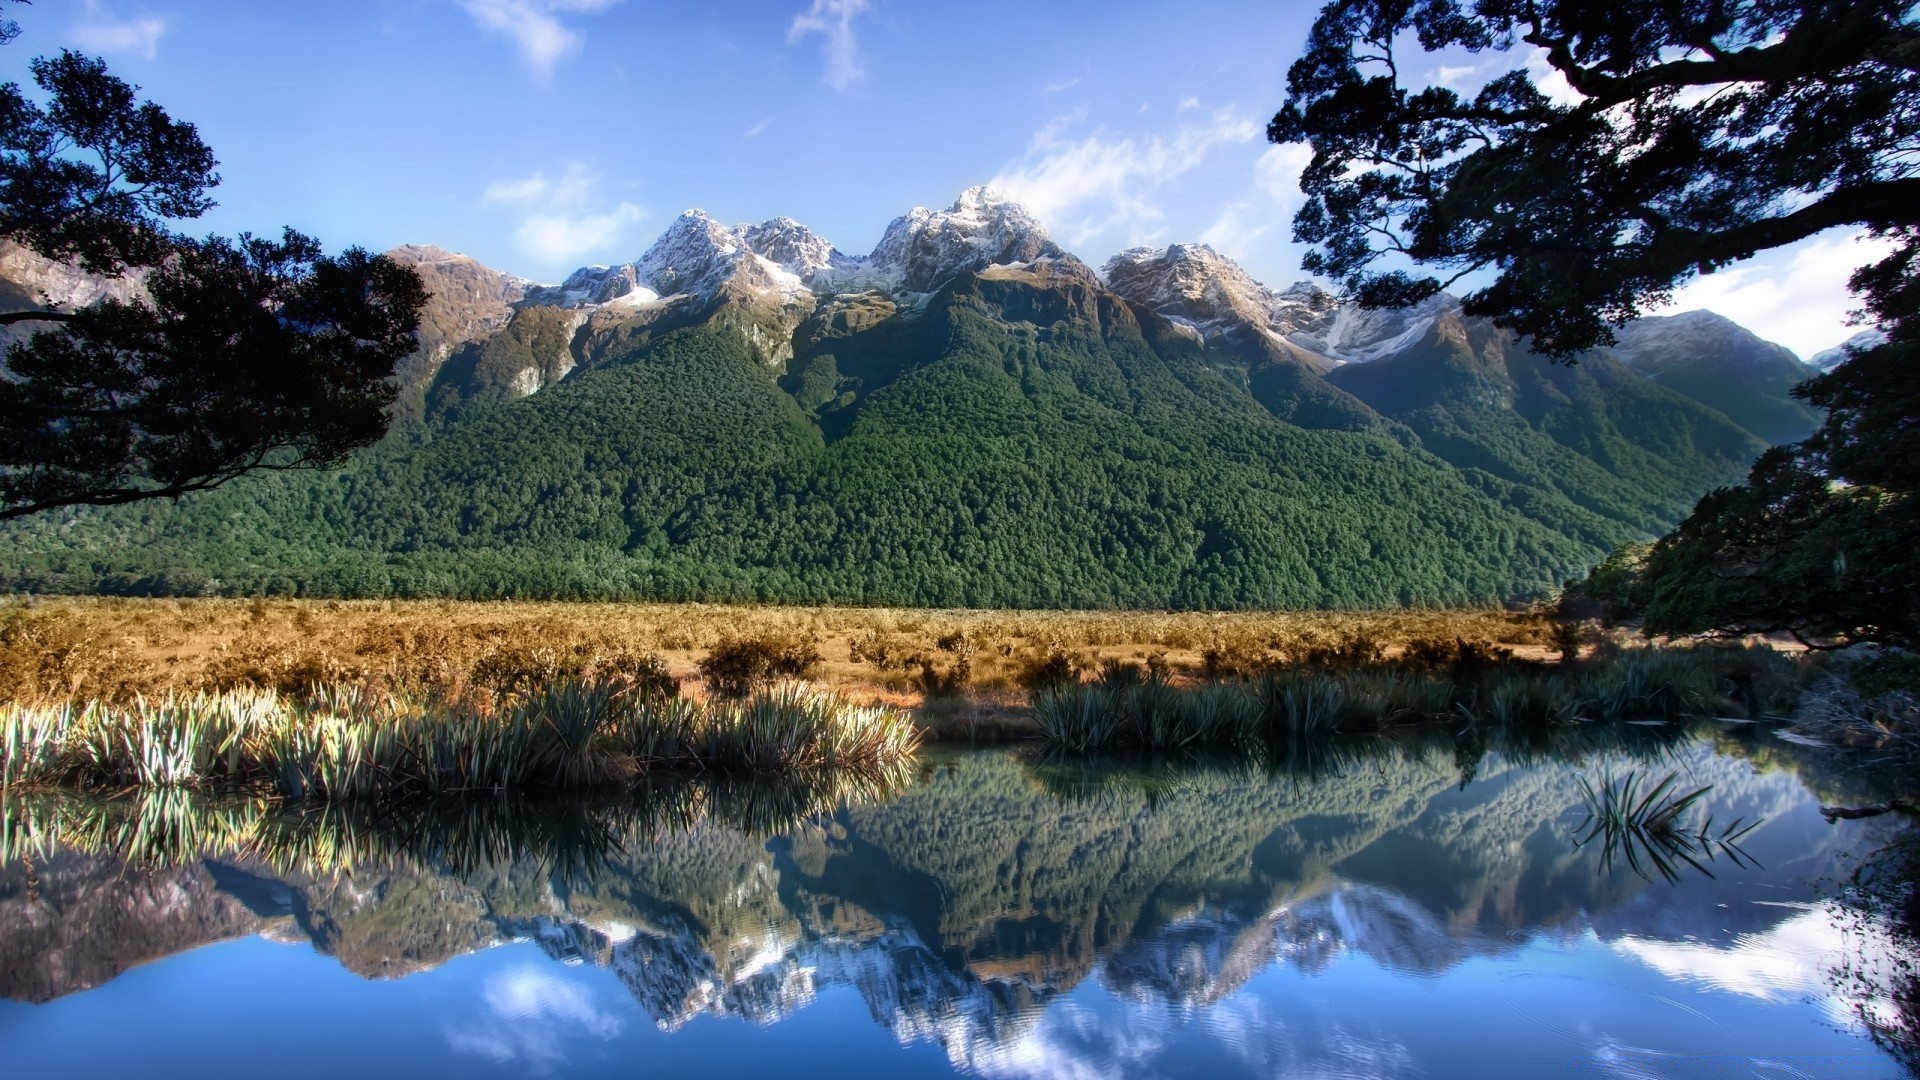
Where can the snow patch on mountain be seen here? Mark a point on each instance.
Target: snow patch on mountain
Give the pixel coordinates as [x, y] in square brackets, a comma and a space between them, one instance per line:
[1198, 288]
[698, 259]
[1358, 335]
[923, 249]
[1828, 359]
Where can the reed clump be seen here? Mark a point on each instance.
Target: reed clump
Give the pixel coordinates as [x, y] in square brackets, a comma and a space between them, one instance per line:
[343, 743]
[1352, 689]
[1646, 822]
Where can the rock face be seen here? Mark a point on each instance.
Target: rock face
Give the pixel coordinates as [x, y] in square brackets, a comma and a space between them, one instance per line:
[1828, 359]
[1197, 287]
[29, 281]
[467, 301]
[923, 249]
[698, 261]
[1722, 365]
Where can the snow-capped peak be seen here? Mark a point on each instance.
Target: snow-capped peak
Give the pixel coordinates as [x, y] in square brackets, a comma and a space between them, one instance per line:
[1196, 286]
[697, 257]
[1828, 359]
[924, 248]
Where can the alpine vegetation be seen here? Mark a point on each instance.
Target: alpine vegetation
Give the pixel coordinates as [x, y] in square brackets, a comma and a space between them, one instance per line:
[1353, 690]
[338, 743]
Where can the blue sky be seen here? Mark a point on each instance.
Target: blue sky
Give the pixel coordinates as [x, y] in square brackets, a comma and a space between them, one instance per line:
[541, 135]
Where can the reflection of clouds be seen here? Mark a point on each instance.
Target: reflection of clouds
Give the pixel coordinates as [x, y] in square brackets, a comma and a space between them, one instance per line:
[1790, 962]
[1073, 1042]
[1271, 1044]
[1078, 1040]
[531, 1014]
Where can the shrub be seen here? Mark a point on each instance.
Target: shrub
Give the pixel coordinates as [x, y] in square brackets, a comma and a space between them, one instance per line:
[738, 666]
[1051, 667]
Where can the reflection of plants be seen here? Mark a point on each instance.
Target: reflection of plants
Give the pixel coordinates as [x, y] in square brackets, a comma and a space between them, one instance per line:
[1879, 972]
[1646, 826]
[573, 835]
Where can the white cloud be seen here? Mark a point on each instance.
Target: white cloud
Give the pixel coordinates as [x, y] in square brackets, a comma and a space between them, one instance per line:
[757, 130]
[565, 218]
[833, 20]
[530, 1013]
[535, 27]
[1270, 203]
[557, 238]
[1054, 86]
[1548, 80]
[1101, 183]
[1796, 295]
[99, 30]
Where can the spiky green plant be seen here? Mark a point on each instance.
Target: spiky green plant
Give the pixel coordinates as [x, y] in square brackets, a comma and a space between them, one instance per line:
[1644, 823]
[1080, 716]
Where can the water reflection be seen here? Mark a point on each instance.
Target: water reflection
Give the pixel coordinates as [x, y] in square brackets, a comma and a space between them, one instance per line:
[1011, 909]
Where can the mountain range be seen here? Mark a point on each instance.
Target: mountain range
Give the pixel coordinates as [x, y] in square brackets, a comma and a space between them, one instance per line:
[967, 415]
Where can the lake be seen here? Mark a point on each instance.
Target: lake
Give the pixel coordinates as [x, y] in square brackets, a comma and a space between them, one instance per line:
[1386, 907]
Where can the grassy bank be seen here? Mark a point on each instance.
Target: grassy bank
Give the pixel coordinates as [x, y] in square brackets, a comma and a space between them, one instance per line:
[344, 744]
[1464, 687]
[113, 650]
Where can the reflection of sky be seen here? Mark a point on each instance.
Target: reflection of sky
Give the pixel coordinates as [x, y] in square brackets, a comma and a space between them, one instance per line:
[1636, 1006]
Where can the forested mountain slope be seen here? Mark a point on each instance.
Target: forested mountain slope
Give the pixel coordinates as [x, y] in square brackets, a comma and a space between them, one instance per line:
[967, 416]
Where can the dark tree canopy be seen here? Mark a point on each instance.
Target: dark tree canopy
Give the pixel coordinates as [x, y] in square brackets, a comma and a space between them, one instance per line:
[1691, 134]
[244, 356]
[93, 175]
[237, 356]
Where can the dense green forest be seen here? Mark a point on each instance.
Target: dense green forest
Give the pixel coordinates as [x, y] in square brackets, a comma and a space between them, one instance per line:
[1016, 441]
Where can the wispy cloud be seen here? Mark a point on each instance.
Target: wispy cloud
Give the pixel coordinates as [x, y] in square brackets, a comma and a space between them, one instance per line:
[1054, 86]
[1270, 202]
[757, 130]
[1795, 295]
[833, 20]
[100, 30]
[1102, 184]
[535, 27]
[565, 218]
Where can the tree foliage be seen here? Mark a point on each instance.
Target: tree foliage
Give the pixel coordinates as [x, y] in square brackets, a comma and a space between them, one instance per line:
[1824, 540]
[1687, 135]
[236, 356]
[243, 356]
[1626, 147]
[93, 175]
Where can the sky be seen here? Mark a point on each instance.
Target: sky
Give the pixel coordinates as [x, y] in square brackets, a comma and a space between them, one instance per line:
[542, 135]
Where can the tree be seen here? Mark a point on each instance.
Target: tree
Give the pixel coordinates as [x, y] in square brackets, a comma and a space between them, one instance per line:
[238, 356]
[1687, 135]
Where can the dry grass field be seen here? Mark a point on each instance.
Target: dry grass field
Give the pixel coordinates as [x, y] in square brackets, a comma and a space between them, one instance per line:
[972, 661]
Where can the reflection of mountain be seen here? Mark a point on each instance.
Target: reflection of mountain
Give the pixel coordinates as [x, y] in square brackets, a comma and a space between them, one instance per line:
[74, 922]
[960, 910]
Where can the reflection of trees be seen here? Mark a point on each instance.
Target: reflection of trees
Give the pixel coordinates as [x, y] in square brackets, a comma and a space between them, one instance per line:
[1879, 970]
[957, 907]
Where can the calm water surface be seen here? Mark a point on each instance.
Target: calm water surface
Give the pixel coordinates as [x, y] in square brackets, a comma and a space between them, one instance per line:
[1385, 910]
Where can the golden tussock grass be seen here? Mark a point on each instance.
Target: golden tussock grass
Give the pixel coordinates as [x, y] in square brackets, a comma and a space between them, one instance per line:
[957, 662]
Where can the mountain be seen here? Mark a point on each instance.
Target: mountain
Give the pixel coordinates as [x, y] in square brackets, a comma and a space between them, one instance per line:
[1721, 364]
[966, 415]
[1591, 449]
[467, 302]
[1828, 359]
